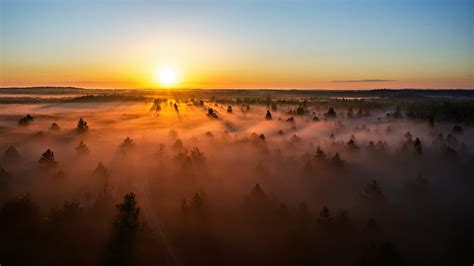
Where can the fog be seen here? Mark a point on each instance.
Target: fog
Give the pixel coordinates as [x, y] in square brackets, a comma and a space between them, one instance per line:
[261, 186]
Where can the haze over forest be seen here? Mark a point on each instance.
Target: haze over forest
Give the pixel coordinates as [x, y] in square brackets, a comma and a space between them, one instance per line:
[236, 132]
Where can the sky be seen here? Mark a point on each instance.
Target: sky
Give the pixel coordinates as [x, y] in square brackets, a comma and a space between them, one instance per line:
[319, 44]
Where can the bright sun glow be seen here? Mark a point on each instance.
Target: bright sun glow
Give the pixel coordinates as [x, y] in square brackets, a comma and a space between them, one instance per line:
[166, 76]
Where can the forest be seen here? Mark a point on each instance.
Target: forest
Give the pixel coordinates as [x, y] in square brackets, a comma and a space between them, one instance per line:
[233, 177]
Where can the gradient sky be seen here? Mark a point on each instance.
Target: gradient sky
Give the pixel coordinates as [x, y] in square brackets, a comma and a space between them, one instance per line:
[239, 44]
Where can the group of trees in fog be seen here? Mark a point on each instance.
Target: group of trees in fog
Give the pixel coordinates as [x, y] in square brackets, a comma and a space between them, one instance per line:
[368, 188]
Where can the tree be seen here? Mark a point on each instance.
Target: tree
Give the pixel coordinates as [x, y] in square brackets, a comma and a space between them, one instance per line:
[336, 159]
[331, 113]
[268, 116]
[320, 154]
[350, 112]
[197, 156]
[47, 160]
[178, 145]
[11, 155]
[54, 127]
[352, 146]
[257, 197]
[126, 220]
[126, 225]
[127, 145]
[300, 110]
[82, 148]
[274, 107]
[101, 172]
[418, 146]
[211, 113]
[19, 214]
[24, 121]
[373, 192]
[82, 126]
[371, 146]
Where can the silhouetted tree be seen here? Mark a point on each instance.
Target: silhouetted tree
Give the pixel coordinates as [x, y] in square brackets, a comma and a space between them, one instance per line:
[19, 216]
[178, 145]
[211, 113]
[331, 113]
[197, 156]
[373, 192]
[54, 127]
[351, 145]
[82, 126]
[11, 155]
[126, 226]
[350, 113]
[100, 172]
[371, 146]
[268, 116]
[320, 154]
[418, 146]
[337, 160]
[82, 148]
[257, 199]
[24, 121]
[274, 107]
[300, 110]
[127, 145]
[47, 160]
[68, 214]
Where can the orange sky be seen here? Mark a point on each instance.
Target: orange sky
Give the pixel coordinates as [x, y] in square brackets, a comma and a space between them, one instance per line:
[301, 44]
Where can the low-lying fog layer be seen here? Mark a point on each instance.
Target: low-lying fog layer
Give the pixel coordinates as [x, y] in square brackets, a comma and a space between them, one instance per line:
[232, 186]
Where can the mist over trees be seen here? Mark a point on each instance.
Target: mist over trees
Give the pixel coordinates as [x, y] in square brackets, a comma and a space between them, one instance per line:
[226, 178]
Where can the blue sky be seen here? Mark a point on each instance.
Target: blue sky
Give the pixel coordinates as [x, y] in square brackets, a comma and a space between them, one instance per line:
[264, 43]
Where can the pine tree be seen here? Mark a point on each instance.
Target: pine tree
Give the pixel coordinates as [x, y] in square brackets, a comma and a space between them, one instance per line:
[268, 116]
[82, 126]
[82, 148]
[47, 160]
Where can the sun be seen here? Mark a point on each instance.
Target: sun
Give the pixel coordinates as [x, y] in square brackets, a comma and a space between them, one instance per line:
[166, 76]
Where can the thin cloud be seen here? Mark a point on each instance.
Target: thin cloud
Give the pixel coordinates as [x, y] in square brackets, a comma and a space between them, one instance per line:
[364, 80]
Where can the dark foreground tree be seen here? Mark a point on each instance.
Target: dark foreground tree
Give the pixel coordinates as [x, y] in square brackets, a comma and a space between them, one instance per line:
[126, 226]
